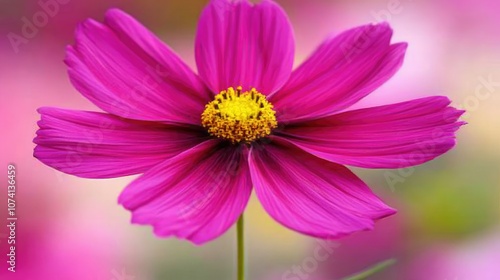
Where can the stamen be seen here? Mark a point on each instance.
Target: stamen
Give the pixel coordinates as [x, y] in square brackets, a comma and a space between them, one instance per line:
[239, 116]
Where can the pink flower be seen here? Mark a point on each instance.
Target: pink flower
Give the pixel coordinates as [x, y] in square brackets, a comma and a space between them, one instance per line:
[202, 141]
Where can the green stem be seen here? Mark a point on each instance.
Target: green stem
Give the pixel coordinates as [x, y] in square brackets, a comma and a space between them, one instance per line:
[372, 270]
[241, 248]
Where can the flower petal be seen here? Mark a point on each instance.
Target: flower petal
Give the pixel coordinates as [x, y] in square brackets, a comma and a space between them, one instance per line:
[196, 195]
[125, 70]
[390, 136]
[310, 195]
[97, 145]
[241, 44]
[340, 72]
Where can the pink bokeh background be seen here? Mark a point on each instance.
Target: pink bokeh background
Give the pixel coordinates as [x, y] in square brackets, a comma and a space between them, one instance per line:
[448, 221]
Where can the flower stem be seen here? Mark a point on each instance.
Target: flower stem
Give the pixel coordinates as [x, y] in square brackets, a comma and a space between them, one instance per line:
[241, 248]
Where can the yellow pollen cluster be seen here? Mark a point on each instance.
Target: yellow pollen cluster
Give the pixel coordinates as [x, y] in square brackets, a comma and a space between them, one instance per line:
[239, 116]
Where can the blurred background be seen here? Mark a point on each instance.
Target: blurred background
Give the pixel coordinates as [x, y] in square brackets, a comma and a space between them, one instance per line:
[448, 225]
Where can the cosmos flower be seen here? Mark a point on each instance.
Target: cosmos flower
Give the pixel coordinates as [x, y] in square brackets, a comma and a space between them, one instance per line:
[245, 121]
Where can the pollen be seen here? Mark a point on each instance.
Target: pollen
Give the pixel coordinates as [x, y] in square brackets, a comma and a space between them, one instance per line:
[239, 116]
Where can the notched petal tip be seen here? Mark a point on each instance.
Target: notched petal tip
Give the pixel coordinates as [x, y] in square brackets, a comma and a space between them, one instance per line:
[86, 26]
[70, 56]
[312, 196]
[164, 197]
[41, 110]
[159, 232]
[381, 29]
[49, 110]
[401, 46]
[343, 70]
[389, 136]
[388, 211]
[259, 35]
[115, 12]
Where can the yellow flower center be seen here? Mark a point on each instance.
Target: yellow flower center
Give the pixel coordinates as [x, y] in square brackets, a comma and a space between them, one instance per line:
[239, 116]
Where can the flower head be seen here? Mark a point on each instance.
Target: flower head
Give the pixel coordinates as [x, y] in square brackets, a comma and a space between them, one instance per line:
[245, 121]
[239, 116]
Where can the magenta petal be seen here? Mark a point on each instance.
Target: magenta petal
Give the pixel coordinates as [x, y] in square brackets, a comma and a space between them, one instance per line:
[125, 70]
[390, 136]
[242, 44]
[339, 73]
[311, 195]
[97, 145]
[196, 195]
